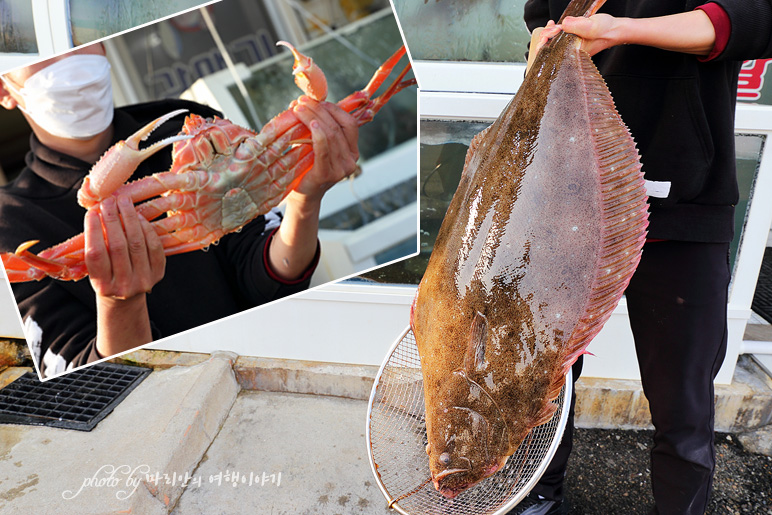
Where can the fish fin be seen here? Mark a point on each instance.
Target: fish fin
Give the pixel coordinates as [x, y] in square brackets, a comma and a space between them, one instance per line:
[412, 309]
[546, 413]
[556, 386]
[623, 209]
[474, 361]
[474, 144]
[584, 8]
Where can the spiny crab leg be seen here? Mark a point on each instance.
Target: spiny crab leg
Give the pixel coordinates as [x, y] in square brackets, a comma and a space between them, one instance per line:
[360, 98]
[121, 160]
[23, 265]
[309, 77]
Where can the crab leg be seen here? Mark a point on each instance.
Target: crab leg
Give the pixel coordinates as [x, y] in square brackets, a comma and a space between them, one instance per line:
[308, 76]
[359, 98]
[258, 149]
[121, 160]
[23, 265]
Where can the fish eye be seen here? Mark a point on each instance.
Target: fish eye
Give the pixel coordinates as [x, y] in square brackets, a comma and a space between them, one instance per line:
[445, 458]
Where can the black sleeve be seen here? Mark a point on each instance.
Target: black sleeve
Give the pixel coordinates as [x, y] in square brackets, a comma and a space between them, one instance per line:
[751, 36]
[59, 316]
[247, 252]
[536, 13]
[60, 327]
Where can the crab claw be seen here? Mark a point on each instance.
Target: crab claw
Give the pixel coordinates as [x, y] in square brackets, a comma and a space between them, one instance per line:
[121, 160]
[308, 76]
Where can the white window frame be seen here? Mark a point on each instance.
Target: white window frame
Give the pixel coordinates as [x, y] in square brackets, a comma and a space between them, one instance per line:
[52, 33]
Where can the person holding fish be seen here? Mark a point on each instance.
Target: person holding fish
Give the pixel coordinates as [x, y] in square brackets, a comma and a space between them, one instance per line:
[68, 102]
[673, 75]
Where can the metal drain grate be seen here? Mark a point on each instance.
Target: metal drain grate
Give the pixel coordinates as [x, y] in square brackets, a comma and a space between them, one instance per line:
[78, 400]
[762, 298]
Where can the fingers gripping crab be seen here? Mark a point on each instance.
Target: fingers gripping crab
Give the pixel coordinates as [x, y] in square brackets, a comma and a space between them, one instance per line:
[222, 175]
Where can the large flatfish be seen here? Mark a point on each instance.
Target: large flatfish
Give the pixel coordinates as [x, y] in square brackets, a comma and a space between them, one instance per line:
[535, 251]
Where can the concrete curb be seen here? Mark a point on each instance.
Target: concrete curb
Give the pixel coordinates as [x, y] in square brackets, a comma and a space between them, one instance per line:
[758, 441]
[11, 374]
[742, 406]
[161, 359]
[163, 428]
[601, 403]
[318, 378]
[189, 433]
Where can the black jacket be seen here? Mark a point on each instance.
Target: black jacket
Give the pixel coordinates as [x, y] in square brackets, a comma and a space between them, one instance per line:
[198, 287]
[680, 111]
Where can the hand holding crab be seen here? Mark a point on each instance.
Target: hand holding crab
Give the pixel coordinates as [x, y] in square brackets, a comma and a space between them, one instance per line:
[222, 175]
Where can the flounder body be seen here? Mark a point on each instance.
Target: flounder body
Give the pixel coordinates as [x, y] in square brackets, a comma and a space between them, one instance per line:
[535, 251]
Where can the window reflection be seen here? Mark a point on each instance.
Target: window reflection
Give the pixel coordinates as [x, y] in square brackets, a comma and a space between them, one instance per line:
[17, 30]
[375, 39]
[443, 150]
[94, 19]
[748, 148]
[464, 30]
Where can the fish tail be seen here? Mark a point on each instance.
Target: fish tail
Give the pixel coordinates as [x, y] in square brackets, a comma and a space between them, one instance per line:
[584, 8]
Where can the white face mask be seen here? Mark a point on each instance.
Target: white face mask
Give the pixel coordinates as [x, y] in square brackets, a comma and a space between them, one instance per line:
[71, 98]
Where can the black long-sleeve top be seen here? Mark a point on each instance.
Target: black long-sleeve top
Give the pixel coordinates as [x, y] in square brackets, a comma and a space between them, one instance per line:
[680, 110]
[198, 287]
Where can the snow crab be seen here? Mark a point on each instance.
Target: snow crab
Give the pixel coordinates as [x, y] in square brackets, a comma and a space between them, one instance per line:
[222, 175]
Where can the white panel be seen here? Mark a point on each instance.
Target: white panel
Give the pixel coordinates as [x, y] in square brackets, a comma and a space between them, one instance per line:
[10, 324]
[469, 77]
[42, 19]
[59, 19]
[335, 323]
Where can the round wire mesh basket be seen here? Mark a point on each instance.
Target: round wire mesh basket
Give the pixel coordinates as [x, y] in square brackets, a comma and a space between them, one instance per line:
[396, 437]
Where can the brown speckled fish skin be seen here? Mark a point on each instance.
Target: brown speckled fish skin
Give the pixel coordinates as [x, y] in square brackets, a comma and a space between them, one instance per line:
[535, 251]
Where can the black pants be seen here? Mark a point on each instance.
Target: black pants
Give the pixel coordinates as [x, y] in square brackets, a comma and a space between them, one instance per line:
[677, 303]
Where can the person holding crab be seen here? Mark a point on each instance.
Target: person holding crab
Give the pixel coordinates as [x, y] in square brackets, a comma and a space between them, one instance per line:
[67, 101]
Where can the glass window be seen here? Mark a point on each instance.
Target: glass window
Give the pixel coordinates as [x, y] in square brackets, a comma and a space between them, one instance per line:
[17, 30]
[462, 30]
[749, 149]
[349, 61]
[443, 150]
[94, 19]
[171, 55]
[317, 17]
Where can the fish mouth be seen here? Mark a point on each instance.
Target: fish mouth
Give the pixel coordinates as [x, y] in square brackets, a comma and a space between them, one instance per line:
[447, 472]
[450, 492]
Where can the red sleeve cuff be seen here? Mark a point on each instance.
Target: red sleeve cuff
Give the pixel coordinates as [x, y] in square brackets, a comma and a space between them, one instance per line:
[306, 274]
[721, 24]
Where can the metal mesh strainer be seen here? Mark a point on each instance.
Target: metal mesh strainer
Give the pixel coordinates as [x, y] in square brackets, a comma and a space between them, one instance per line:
[396, 436]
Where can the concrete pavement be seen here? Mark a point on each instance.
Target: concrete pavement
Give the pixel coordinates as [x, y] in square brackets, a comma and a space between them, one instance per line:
[220, 435]
[166, 424]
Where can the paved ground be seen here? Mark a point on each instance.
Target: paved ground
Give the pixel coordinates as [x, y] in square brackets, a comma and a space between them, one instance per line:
[609, 474]
[316, 443]
[192, 430]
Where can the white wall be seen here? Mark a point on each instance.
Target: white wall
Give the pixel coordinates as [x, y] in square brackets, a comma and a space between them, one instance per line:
[10, 323]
